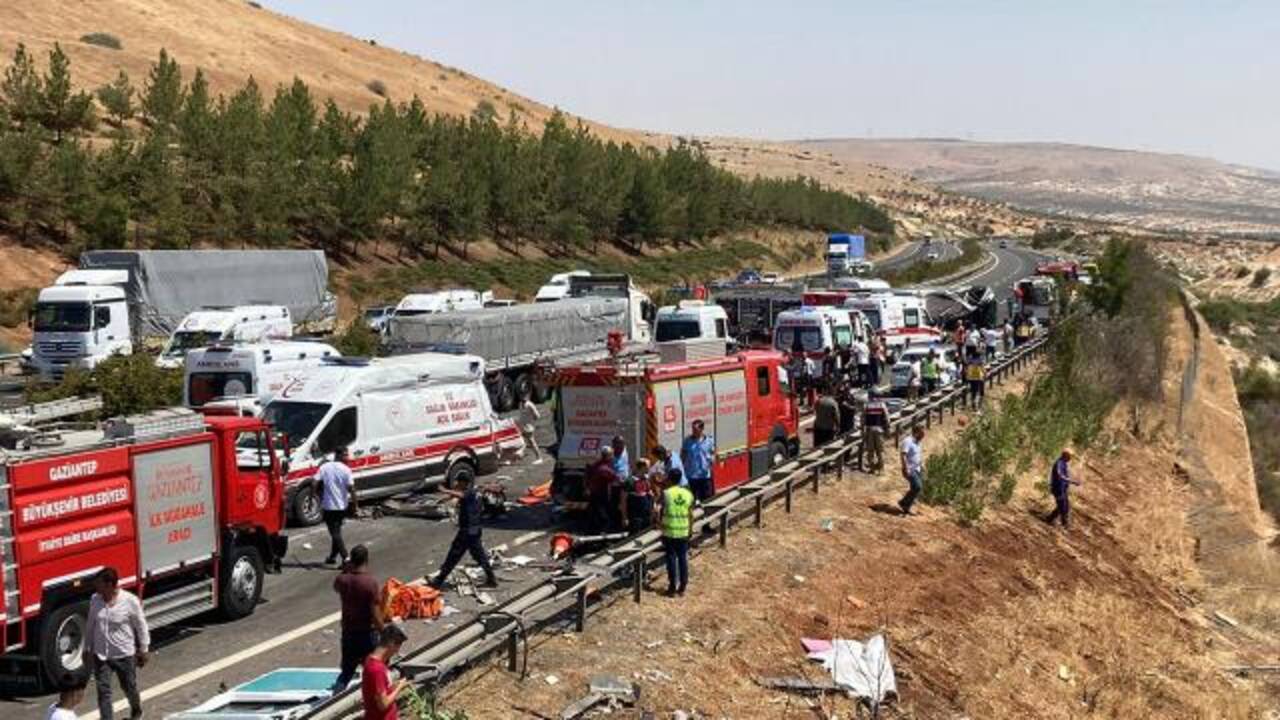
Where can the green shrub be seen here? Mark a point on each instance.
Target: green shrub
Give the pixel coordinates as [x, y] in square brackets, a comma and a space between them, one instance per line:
[1008, 483]
[101, 39]
[377, 87]
[1260, 277]
[128, 384]
[359, 340]
[15, 306]
[1242, 272]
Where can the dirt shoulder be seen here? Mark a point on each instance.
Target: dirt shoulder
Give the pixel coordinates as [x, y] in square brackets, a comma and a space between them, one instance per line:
[1012, 618]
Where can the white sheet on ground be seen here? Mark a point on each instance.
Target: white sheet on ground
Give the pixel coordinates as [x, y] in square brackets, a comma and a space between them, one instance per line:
[863, 668]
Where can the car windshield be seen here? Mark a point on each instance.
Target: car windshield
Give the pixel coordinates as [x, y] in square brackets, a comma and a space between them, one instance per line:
[873, 318]
[63, 317]
[794, 339]
[294, 420]
[185, 340]
[205, 386]
[676, 329]
[374, 314]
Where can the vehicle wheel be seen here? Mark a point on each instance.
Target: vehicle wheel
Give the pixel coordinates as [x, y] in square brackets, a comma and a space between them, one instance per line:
[522, 388]
[459, 471]
[241, 582]
[777, 453]
[306, 507]
[504, 395]
[62, 643]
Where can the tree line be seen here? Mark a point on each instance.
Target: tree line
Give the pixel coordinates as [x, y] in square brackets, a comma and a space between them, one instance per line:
[168, 165]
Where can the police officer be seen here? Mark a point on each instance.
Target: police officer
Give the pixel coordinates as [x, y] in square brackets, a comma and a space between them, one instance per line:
[676, 518]
[468, 537]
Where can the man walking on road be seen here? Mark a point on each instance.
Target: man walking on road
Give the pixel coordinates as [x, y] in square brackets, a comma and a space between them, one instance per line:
[529, 417]
[467, 539]
[862, 358]
[337, 497]
[1060, 483]
[361, 617]
[115, 641]
[826, 420]
[377, 692]
[912, 468]
[676, 513]
[697, 455]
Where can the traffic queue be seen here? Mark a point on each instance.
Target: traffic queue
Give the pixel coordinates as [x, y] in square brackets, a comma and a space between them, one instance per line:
[188, 506]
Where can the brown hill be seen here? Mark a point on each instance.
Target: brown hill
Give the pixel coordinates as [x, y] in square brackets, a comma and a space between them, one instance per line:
[1154, 191]
[233, 39]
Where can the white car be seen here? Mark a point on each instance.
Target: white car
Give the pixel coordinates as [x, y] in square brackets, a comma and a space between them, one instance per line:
[770, 278]
[900, 373]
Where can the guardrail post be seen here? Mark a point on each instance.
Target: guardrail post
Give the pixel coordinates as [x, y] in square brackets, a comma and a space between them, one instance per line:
[512, 651]
[787, 496]
[759, 508]
[817, 473]
[841, 458]
[580, 622]
[928, 418]
[637, 578]
[724, 529]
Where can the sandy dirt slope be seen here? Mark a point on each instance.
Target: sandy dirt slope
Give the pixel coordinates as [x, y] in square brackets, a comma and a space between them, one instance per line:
[1009, 619]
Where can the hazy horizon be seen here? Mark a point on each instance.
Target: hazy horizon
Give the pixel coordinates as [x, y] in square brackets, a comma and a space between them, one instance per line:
[1174, 77]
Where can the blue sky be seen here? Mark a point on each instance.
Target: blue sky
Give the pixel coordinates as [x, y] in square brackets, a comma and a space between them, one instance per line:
[1194, 77]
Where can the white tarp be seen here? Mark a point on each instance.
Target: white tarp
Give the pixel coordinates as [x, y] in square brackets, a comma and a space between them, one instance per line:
[165, 285]
[497, 334]
[863, 669]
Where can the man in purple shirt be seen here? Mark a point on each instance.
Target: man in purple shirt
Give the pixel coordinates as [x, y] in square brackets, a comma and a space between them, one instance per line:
[1060, 483]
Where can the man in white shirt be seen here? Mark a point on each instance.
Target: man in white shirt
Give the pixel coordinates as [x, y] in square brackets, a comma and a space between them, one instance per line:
[529, 417]
[912, 468]
[992, 336]
[337, 492]
[862, 358]
[973, 342]
[115, 641]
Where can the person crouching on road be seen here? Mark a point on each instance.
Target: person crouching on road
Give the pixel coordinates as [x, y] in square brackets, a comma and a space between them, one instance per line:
[1060, 483]
[676, 517]
[361, 615]
[337, 498]
[638, 508]
[697, 455]
[467, 539]
[912, 468]
[377, 692]
[116, 639]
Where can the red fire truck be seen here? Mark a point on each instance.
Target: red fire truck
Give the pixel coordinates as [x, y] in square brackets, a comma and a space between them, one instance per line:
[187, 509]
[743, 400]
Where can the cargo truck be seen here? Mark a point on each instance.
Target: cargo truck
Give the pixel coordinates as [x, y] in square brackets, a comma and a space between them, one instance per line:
[743, 400]
[187, 509]
[845, 253]
[120, 300]
[513, 340]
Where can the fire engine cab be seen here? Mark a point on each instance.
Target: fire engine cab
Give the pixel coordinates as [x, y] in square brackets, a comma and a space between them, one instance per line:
[189, 520]
[743, 400]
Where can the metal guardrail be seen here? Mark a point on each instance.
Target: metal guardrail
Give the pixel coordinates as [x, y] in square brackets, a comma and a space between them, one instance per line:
[509, 623]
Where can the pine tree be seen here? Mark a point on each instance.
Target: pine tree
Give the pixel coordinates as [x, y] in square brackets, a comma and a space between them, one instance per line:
[63, 111]
[117, 98]
[163, 96]
[21, 89]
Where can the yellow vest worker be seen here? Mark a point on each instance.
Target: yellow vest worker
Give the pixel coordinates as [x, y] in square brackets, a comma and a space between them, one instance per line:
[677, 520]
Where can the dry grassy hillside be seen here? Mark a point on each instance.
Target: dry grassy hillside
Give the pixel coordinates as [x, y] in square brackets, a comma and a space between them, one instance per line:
[233, 39]
[1154, 191]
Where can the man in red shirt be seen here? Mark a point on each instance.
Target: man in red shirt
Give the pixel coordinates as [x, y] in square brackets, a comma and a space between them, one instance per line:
[601, 482]
[361, 618]
[376, 690]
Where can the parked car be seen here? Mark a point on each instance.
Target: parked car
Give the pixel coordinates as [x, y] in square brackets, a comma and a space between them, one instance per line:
[770, 278]
[376, 317]
[748, 277]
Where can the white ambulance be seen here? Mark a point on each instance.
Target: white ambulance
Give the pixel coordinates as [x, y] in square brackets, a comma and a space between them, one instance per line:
[241, 379]
[407, 421]
[898, 316]
[815, 329]
[241, 324]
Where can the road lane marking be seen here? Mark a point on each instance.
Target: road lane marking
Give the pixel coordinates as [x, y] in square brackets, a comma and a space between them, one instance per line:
[205, 670]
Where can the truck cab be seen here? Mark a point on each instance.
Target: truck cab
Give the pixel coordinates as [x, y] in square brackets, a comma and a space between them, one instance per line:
[557, 287]
[640, 309]
[80, 321]
[691, 320]
[440, 301]
[243, 324]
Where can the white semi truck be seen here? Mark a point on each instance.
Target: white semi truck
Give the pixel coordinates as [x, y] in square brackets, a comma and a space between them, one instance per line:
[120, 300]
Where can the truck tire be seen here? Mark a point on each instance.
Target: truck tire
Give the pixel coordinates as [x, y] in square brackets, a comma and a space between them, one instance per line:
[240, 586]
[62, 643]
[306, 509]
[523, 388]
[459, 470]
[504, 395]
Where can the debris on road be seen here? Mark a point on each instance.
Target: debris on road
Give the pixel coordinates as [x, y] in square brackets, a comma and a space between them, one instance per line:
[577, 708]
[799, 684]
[862, 668]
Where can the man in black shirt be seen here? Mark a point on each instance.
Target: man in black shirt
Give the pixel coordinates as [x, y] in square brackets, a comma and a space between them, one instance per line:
[468, 537]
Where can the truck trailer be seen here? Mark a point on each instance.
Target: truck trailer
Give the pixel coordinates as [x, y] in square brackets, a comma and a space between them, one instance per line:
[187, 509]
[845, 253]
